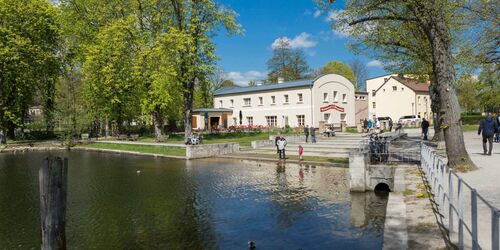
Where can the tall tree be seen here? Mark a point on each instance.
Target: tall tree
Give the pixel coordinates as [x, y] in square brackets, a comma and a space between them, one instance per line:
[29, 40]
[198, 19]
[286, 62]
[432, 19]
[339, 68]
[360, 72]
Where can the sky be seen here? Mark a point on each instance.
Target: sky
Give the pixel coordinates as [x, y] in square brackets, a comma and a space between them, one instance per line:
[243, 57]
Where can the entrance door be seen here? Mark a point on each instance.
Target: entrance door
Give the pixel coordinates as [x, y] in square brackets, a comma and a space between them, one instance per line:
[194, 122]
[214, 122]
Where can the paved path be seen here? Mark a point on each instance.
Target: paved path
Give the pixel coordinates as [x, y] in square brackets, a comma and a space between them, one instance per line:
[145, 143]
[487, 178]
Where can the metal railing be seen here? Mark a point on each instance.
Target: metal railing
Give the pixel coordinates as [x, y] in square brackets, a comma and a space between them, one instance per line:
[457, 200]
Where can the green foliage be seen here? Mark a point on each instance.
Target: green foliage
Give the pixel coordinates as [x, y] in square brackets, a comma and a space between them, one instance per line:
[339, 68]
[286, 62]
[29, 41]
[468, 90]
[471, 119]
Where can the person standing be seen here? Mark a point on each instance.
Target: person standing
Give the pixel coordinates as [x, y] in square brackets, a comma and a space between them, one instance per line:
[488, 127]
[365, 125]
[281, 147]
[313, 134]
[301, 151]
[370, 124]
[425, 128]
[390, 125]
[498, 126]
[377, 124]
[276, 139]
[306, 132]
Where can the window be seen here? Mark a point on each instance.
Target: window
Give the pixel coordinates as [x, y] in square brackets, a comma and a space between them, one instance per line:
[235, 121]
[373, 92]
[250, 120]
[300, 97]
[335, 98]
[232, 103]
[271, 121]
[301, 120]
[326, 117]
[261, 101]
[344, 97]
[394, 88]
[373, 105]
[402, 89]
[286, 98]
[247, 101]
[220, 102]
[273, 100]
[325, 97]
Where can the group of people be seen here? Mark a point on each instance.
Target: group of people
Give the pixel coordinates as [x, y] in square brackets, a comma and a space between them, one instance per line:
[489, 127]
[310, 131]
[370, 125]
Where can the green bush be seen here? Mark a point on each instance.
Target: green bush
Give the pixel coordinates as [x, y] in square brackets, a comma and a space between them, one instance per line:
[471, 119]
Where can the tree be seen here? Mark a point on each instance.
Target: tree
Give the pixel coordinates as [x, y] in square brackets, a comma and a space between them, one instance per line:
[432, 19]
[468, 92]
[489, 95]
[29, 40]
[286, 62]
[197, 19]
[339, 68]
[360, 72]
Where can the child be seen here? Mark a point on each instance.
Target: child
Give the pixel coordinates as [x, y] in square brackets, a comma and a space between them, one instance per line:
[301, 150]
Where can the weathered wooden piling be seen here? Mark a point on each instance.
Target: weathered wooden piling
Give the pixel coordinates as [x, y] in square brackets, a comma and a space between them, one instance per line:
[53, 175]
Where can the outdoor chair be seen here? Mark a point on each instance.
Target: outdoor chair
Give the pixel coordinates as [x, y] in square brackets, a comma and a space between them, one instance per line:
[122, 137]
[134, 137]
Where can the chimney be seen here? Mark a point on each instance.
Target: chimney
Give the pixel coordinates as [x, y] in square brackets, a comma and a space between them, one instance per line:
[281, 79]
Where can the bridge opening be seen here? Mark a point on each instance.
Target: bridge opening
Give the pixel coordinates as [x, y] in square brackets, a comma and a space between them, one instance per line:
[382, 187]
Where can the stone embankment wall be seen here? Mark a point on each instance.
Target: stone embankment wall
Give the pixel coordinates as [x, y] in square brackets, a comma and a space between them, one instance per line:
[210, 150]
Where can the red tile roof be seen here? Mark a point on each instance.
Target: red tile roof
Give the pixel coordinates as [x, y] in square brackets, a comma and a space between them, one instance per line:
[413, 84]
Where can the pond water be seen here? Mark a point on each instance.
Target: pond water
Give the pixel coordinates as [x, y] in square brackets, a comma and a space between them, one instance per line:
[202, 204]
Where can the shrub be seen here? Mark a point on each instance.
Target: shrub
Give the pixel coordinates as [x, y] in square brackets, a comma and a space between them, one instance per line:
[471, 119]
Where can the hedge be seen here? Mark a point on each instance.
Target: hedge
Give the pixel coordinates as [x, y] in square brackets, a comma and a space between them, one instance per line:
[471, 119]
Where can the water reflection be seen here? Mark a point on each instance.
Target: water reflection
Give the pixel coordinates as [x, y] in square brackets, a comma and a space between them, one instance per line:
[206, 204]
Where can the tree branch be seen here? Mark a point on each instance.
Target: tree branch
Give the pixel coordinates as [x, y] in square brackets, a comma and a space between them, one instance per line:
[389, 18]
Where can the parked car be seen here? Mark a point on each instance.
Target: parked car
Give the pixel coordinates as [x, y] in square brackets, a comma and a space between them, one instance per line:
[410, 120]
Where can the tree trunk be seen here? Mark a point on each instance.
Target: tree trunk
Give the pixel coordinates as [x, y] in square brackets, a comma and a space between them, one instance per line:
[435, 107]
[442, 63]
[158, 124]
[188, 112]
[49, 107]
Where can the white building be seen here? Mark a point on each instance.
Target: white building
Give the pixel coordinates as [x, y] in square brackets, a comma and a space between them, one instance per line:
[329, 99]
[394, 96]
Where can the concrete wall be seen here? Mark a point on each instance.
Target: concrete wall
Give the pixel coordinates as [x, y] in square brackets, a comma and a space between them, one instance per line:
[358, 164]
[210, 150]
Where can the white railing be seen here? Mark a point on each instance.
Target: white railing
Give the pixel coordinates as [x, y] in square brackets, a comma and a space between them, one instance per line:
[477, 225]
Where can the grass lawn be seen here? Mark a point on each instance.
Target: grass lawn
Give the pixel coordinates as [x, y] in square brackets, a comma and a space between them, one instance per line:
[468, 128]
[177, 151]
[243, 138]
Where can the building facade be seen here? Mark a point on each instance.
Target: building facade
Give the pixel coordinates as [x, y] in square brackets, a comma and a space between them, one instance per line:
[361, 99]
[399, 96]
[329, 99]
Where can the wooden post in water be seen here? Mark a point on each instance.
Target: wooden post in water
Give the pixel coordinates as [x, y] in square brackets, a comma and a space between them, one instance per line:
[53, 175]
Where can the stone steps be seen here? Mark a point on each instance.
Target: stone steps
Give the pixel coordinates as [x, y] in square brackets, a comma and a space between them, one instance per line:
[306, 153]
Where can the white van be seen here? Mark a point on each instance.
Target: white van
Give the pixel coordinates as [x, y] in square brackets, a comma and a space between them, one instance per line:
[410, 119]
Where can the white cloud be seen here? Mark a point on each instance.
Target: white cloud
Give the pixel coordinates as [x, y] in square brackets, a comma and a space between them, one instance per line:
[242, 79]
[375, 63]
[317, 13]
[300, 41]
[333, 15]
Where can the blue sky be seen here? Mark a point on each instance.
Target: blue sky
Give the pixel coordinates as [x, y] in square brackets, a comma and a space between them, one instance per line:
[243, 57]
